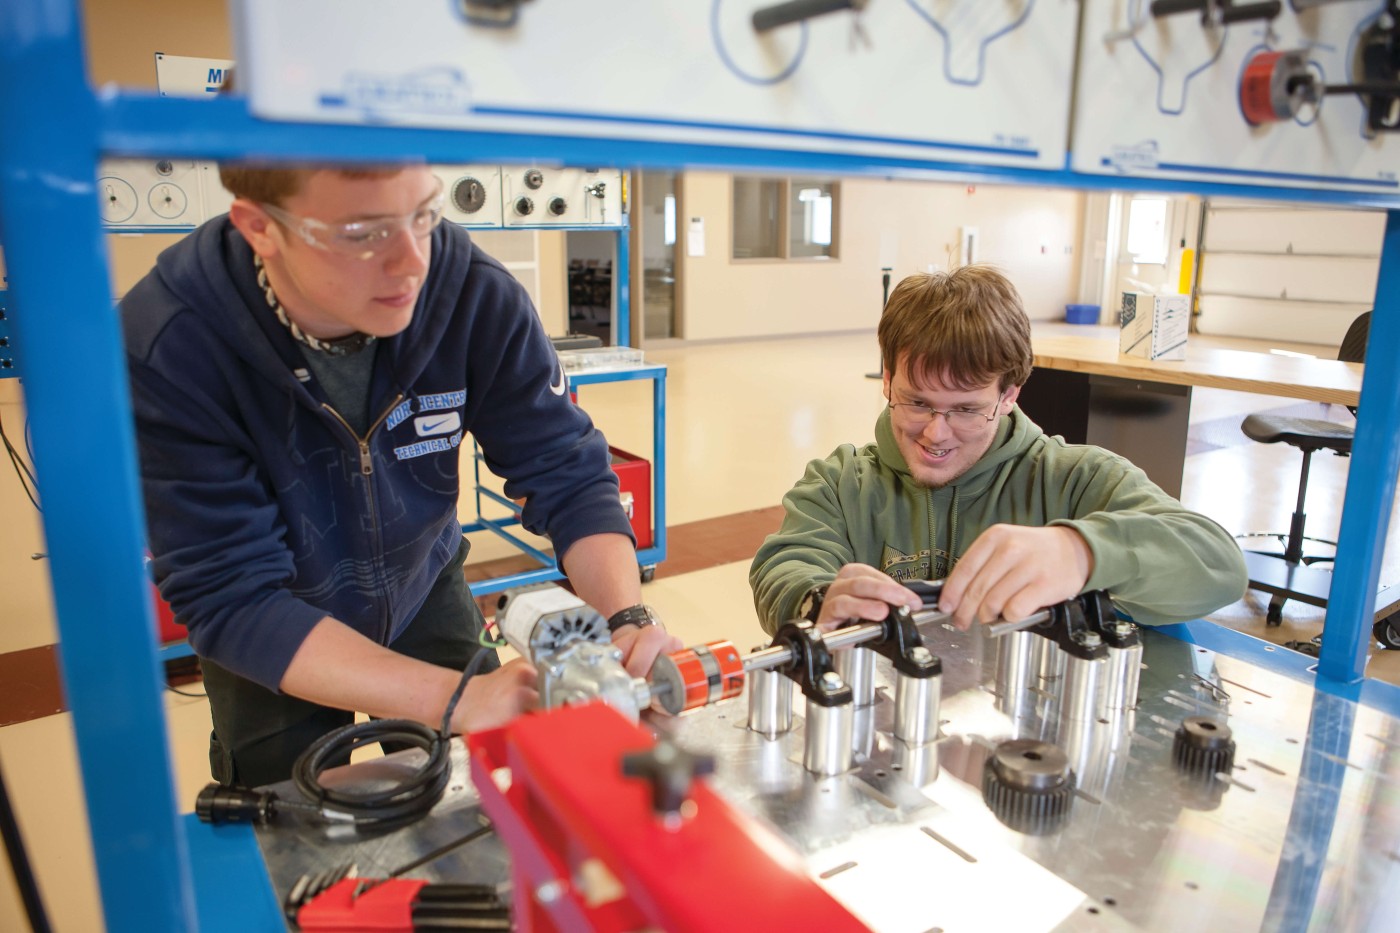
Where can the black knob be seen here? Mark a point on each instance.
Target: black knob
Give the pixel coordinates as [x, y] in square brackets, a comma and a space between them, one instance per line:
[670, 769]
[534, 178]
[469, 195]
[1203, 747]
[524, 206]
[163, 167]
[557, 206]
[1029, 785]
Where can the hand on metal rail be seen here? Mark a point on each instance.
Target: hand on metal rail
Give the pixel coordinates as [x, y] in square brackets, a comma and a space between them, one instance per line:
[1011, 571]
[862, 592]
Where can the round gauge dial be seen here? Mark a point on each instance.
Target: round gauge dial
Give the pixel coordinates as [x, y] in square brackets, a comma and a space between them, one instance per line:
[468, 195]
[116, 199]
[167, 200]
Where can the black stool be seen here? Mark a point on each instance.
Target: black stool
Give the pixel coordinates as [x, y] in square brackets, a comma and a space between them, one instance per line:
[1290, 575]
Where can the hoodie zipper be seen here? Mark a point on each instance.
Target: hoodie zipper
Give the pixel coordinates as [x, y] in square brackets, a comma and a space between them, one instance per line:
[367, 470]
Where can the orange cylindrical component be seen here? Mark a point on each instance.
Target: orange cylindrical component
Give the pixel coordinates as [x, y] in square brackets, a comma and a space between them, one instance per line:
[709, 673]
[1257, 89]
[731, 669]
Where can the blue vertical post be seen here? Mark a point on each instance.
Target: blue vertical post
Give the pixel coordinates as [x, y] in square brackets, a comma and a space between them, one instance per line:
[658, 459]
[622, 321]
[80, 414]
[1375, 460]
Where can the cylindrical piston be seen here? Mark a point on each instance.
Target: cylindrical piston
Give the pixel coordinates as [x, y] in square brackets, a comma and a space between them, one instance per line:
[1121, 677]
[1082, 696]
[693, 677]
[1048, 664]
[917, 763]
[1275, 86]
[830, 731]
[857, 668]
[916, 708]
[770, 703]
[1014, 670]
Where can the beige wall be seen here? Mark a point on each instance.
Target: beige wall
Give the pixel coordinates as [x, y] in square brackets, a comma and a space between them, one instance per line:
[1031, 233]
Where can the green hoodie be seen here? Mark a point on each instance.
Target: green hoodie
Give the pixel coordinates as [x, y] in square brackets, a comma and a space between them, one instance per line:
[1161, 562]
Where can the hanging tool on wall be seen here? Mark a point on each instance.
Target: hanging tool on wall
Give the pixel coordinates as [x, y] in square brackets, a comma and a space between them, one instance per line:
[796, 11]
[1218, 12]
[1280, 85]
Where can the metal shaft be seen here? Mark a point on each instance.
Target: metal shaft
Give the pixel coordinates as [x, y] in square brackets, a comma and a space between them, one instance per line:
[998, 629]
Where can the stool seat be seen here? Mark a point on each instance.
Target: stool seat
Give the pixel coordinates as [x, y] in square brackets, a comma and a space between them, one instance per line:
[1304, 433]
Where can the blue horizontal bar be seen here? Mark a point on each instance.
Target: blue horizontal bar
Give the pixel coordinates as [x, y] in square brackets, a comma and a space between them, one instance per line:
[143, 124]
[1013, 151]
[1284, 661]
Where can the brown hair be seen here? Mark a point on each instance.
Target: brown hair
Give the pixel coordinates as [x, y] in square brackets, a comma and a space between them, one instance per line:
[966, 327]
[271, 183]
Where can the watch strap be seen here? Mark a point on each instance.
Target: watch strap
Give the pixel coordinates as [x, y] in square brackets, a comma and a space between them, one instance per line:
[640, 615]
[810, 607]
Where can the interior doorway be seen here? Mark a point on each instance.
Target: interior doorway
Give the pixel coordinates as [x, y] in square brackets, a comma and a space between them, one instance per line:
[592, 257]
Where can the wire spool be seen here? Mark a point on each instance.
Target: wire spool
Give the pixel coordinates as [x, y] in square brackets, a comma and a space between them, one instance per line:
[1275, 86]
[697, 676]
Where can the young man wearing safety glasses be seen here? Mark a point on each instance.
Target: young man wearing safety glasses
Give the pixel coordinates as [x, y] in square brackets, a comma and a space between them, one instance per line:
[961, 485]
[305, 371]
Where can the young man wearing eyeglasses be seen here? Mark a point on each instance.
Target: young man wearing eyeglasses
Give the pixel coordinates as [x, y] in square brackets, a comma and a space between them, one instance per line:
[304, 372]
[960, 485]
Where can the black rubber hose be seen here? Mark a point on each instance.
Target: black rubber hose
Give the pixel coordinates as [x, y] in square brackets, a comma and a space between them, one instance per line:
[19, 864]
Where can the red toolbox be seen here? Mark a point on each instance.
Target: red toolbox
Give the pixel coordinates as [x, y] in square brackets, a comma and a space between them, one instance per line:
[634, 481]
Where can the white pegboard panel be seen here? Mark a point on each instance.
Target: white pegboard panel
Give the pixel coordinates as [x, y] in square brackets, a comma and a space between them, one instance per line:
[139, 194]
[539, 196]
[1160, 97]
[968, 81]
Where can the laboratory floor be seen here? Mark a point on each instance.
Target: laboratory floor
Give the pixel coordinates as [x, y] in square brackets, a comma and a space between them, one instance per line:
[742, 420]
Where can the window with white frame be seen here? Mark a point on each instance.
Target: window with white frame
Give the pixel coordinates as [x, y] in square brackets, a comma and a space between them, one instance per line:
[785, 218]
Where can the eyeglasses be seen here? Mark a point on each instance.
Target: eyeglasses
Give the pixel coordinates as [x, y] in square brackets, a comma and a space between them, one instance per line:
[959, 419]
[364, 239]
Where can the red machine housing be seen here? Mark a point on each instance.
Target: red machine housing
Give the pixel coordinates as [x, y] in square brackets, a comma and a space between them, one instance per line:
[589, 853]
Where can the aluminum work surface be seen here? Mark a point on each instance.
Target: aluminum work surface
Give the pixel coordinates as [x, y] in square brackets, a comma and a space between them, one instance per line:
[1304, 834]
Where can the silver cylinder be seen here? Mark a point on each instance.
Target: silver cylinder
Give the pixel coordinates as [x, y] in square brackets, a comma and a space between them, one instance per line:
[1049, 661]
[770, 703]
[917, 763]
[916, 708]
[1082, 695]
[857, 668]
[1121, 680]
[828, 748]
[863, 732]
[1013, 670]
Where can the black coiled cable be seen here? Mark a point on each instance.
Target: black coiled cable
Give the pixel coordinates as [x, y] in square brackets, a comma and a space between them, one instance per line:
[403, 802]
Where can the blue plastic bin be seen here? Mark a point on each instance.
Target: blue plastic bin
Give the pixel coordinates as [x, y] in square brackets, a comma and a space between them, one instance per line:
[1082, 314]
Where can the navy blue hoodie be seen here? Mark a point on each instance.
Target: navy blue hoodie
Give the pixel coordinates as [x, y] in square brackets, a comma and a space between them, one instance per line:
[267, 513]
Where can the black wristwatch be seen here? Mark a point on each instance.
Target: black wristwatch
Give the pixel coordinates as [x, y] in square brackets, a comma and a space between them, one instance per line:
[810, 608]
[640, 615]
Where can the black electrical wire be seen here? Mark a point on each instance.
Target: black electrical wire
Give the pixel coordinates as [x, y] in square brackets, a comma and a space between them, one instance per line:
[403, 802]
[19, 864]
[26, 476]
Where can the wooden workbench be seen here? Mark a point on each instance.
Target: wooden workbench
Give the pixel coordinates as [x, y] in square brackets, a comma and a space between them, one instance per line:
[1085, 390]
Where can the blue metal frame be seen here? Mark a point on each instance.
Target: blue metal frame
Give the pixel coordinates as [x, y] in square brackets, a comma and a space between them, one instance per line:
[647, 556]
[80, 409]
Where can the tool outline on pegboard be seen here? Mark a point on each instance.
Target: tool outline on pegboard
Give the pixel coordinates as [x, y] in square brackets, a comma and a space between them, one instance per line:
[945, 34]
